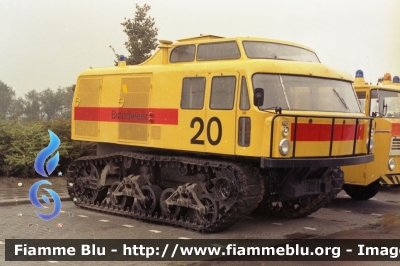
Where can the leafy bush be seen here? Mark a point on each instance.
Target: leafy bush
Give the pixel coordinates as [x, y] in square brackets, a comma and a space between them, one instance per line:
[21, 143]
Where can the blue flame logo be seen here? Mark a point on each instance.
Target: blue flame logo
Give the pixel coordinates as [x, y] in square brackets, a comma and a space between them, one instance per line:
[46, 152]
[33, 197]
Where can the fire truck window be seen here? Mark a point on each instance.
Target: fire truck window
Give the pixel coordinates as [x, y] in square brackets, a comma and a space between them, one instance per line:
[361, 95]
[278, 51]
[222, 93]
[306, 93]
[184, 53]
[244, 131]
[273, 91]
[374, 102]
[218, 51]
[193, 93]
[244, 96]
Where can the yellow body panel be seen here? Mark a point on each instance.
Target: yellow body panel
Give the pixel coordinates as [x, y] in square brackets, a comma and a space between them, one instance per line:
[141, 106]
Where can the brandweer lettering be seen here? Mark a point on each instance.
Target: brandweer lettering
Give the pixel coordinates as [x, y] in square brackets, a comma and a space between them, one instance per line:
[128, 115]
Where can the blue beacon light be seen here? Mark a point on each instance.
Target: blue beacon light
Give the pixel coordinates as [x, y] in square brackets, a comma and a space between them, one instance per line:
[121, 58]
[359, 74]
[396, 79]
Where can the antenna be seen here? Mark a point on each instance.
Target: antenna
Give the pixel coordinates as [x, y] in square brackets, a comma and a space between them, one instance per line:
[370, 74]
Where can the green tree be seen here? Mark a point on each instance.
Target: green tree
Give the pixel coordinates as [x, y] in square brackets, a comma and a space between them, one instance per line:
[66, 95]
[7, 96]
[17, 109]
[142, 36]
[50, 104]
[33, 106]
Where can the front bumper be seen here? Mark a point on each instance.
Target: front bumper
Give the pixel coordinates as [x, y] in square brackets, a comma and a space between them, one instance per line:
[315, 162]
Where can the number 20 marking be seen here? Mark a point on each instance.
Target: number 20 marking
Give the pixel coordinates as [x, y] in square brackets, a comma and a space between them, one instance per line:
[195, 139]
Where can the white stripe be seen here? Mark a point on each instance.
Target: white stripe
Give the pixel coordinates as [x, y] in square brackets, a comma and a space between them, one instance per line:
[310, 228]
[155, 231]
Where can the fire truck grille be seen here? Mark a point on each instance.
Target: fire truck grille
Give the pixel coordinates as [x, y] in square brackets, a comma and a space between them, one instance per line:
[395, 147]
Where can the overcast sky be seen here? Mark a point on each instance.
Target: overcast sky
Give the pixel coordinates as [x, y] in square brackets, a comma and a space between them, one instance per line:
[47, 43]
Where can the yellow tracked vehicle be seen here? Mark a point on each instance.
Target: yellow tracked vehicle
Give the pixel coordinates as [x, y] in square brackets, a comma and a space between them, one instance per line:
[209, 128]
[381, 101]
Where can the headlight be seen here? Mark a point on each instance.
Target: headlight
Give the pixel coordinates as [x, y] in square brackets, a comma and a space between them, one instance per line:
[284, 146]
[285, 131]
[371, 143]
[391, 164]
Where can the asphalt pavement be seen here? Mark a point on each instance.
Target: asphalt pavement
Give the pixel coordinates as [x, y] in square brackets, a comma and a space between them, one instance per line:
[344, 218]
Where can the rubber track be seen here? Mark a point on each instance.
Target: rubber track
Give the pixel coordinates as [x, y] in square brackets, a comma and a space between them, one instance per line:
[249, 185]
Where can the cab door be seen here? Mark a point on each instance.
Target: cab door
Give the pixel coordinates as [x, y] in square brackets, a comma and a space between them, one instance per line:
[220, 120]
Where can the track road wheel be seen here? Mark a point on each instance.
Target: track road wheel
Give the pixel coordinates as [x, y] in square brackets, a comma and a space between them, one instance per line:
[151, 202]
[97, 195]
[304, 206]
[212, 209]
[362, 192]
[119, 201]
[172, 211]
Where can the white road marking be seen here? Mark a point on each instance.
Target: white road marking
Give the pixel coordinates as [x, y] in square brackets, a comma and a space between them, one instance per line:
[155, 231]
[310, 228]
[2, 243]
[63, 211]
[277, 224]
[182, 237]
[127, 225]
[104, 221]
[52, 261]
[376, 214]
[83, 216]
[346, 211]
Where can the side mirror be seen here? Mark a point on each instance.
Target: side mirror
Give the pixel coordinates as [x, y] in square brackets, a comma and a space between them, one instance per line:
[258, 97]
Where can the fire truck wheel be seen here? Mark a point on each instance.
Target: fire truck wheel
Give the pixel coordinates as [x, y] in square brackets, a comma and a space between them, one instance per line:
[362, 192]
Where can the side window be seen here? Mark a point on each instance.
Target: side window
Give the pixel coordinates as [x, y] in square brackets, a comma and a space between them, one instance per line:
[244, 131]
[223, 93]
[193, 93]
[361, 99]
[244, 96]
[184, 53]
[218, 51]
[374, 102]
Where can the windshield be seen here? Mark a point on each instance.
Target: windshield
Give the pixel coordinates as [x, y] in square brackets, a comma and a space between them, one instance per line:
[379, 98]
[269, 50]
[306, 93]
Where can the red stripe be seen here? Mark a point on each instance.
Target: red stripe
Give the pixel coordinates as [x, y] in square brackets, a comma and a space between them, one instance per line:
[395, 129]
[128, 115]
[322, 132]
